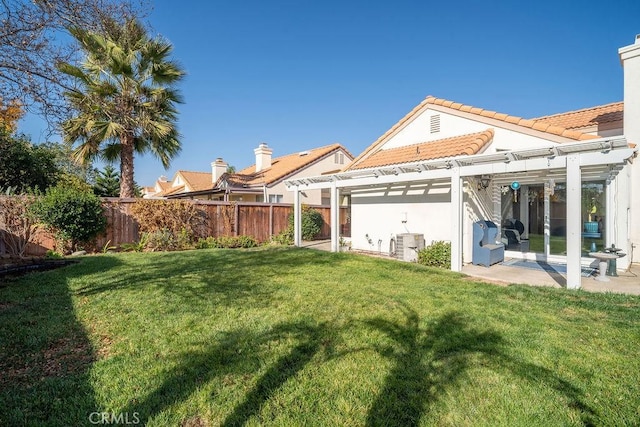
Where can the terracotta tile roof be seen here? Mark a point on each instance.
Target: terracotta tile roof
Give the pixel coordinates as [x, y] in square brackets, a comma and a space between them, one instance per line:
[281, 167]
[586, 117]
[197, 180]
[514, 120]
[164, 185]
[172, 190]
[442, 148]
[284, 166]
[533, 124]
[238, 180]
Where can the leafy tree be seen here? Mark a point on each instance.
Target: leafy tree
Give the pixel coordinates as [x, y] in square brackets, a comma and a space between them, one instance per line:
[231, 169]
[68, 167]
[24, 165]
[125, 98]
[107, 183]
[74, 215]
[10, 113]
[31, 46]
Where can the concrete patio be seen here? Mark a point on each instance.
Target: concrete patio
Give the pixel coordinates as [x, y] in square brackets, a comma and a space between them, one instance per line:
[627, 282]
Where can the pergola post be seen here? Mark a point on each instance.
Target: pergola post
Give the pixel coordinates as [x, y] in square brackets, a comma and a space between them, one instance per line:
[574, 222]
[456, 220]
[335, 217]
[547, 218]
[297, 217]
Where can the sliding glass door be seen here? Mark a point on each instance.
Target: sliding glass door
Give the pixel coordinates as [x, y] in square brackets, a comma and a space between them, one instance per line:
[542, 210]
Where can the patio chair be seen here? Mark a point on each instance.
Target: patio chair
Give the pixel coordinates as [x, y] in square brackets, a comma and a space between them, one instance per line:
[513, 231]
[485, 249]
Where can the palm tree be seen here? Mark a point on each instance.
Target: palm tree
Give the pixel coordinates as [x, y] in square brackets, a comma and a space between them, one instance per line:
[125, 101]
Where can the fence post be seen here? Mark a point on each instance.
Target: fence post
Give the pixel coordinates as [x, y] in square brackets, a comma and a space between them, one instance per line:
[270, 221]
[236, 213]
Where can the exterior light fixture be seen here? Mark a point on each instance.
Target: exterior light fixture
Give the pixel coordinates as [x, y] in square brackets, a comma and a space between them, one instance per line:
[484, 182]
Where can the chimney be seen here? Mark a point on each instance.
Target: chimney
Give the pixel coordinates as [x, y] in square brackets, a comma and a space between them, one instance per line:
[218, 168]
[263, 157]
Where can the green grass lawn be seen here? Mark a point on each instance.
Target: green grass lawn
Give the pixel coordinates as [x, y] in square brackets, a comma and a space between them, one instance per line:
[558, 244]
[285, 336]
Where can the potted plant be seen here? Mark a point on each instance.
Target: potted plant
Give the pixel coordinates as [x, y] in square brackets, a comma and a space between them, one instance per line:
[345, 245]
[591, 206]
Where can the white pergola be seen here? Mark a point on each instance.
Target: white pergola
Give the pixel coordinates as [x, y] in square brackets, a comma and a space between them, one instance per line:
[593, 160]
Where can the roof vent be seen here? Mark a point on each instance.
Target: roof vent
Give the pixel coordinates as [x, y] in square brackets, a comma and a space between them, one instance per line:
[435, 123]
[304, 153]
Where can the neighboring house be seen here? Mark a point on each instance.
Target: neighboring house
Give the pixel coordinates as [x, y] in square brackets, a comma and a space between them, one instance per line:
[261, 182]
[446, 165]
[158, 188]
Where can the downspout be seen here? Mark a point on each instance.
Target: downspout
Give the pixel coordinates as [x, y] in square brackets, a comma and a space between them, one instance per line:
[264, 193]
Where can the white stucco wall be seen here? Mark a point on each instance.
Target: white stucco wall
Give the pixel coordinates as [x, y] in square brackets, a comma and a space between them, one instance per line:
[381, 213]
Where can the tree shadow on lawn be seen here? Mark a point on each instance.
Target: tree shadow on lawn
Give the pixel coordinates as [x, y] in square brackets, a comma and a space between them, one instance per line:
[45, 353]
[202, 274]
[426, 362]
[238, 353]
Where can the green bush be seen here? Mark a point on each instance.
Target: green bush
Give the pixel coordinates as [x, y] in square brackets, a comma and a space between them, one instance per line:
[51, 254]
[311, 223]
[227, 242]
[74, 215]
[160, 240]
[438, 254]
[285, 237]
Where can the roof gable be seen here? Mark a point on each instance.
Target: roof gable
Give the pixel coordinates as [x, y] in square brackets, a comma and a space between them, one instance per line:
[456, 108]
[196, 181]
[448, 147]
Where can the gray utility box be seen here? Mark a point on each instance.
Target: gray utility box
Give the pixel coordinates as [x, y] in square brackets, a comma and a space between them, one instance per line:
[408, 245]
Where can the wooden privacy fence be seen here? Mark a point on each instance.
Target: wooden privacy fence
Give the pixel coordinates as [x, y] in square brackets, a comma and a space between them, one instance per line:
[260, 220]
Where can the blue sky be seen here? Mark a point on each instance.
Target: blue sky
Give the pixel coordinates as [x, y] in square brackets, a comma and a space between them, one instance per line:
[302, 74]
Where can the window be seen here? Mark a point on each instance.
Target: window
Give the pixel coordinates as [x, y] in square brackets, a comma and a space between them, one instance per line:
[275, 198]
[325, 196]
[339, 158]
[435, 123]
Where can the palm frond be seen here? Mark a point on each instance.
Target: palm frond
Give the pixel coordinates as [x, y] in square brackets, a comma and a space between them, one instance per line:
[125, 87]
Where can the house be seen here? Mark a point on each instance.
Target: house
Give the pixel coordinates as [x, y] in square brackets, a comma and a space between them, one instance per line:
[260, 182]
[445, 166]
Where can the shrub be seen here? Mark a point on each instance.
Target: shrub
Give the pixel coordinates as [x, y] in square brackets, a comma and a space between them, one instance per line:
[227, 242]
[174, 216]
[311, 223]
[17, 225]
[438, 254]
[51, 254]
[285, 237]
[74, 215]
[168, 225]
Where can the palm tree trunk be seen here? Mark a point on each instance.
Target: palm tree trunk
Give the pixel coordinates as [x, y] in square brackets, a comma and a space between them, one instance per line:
[127, 188]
